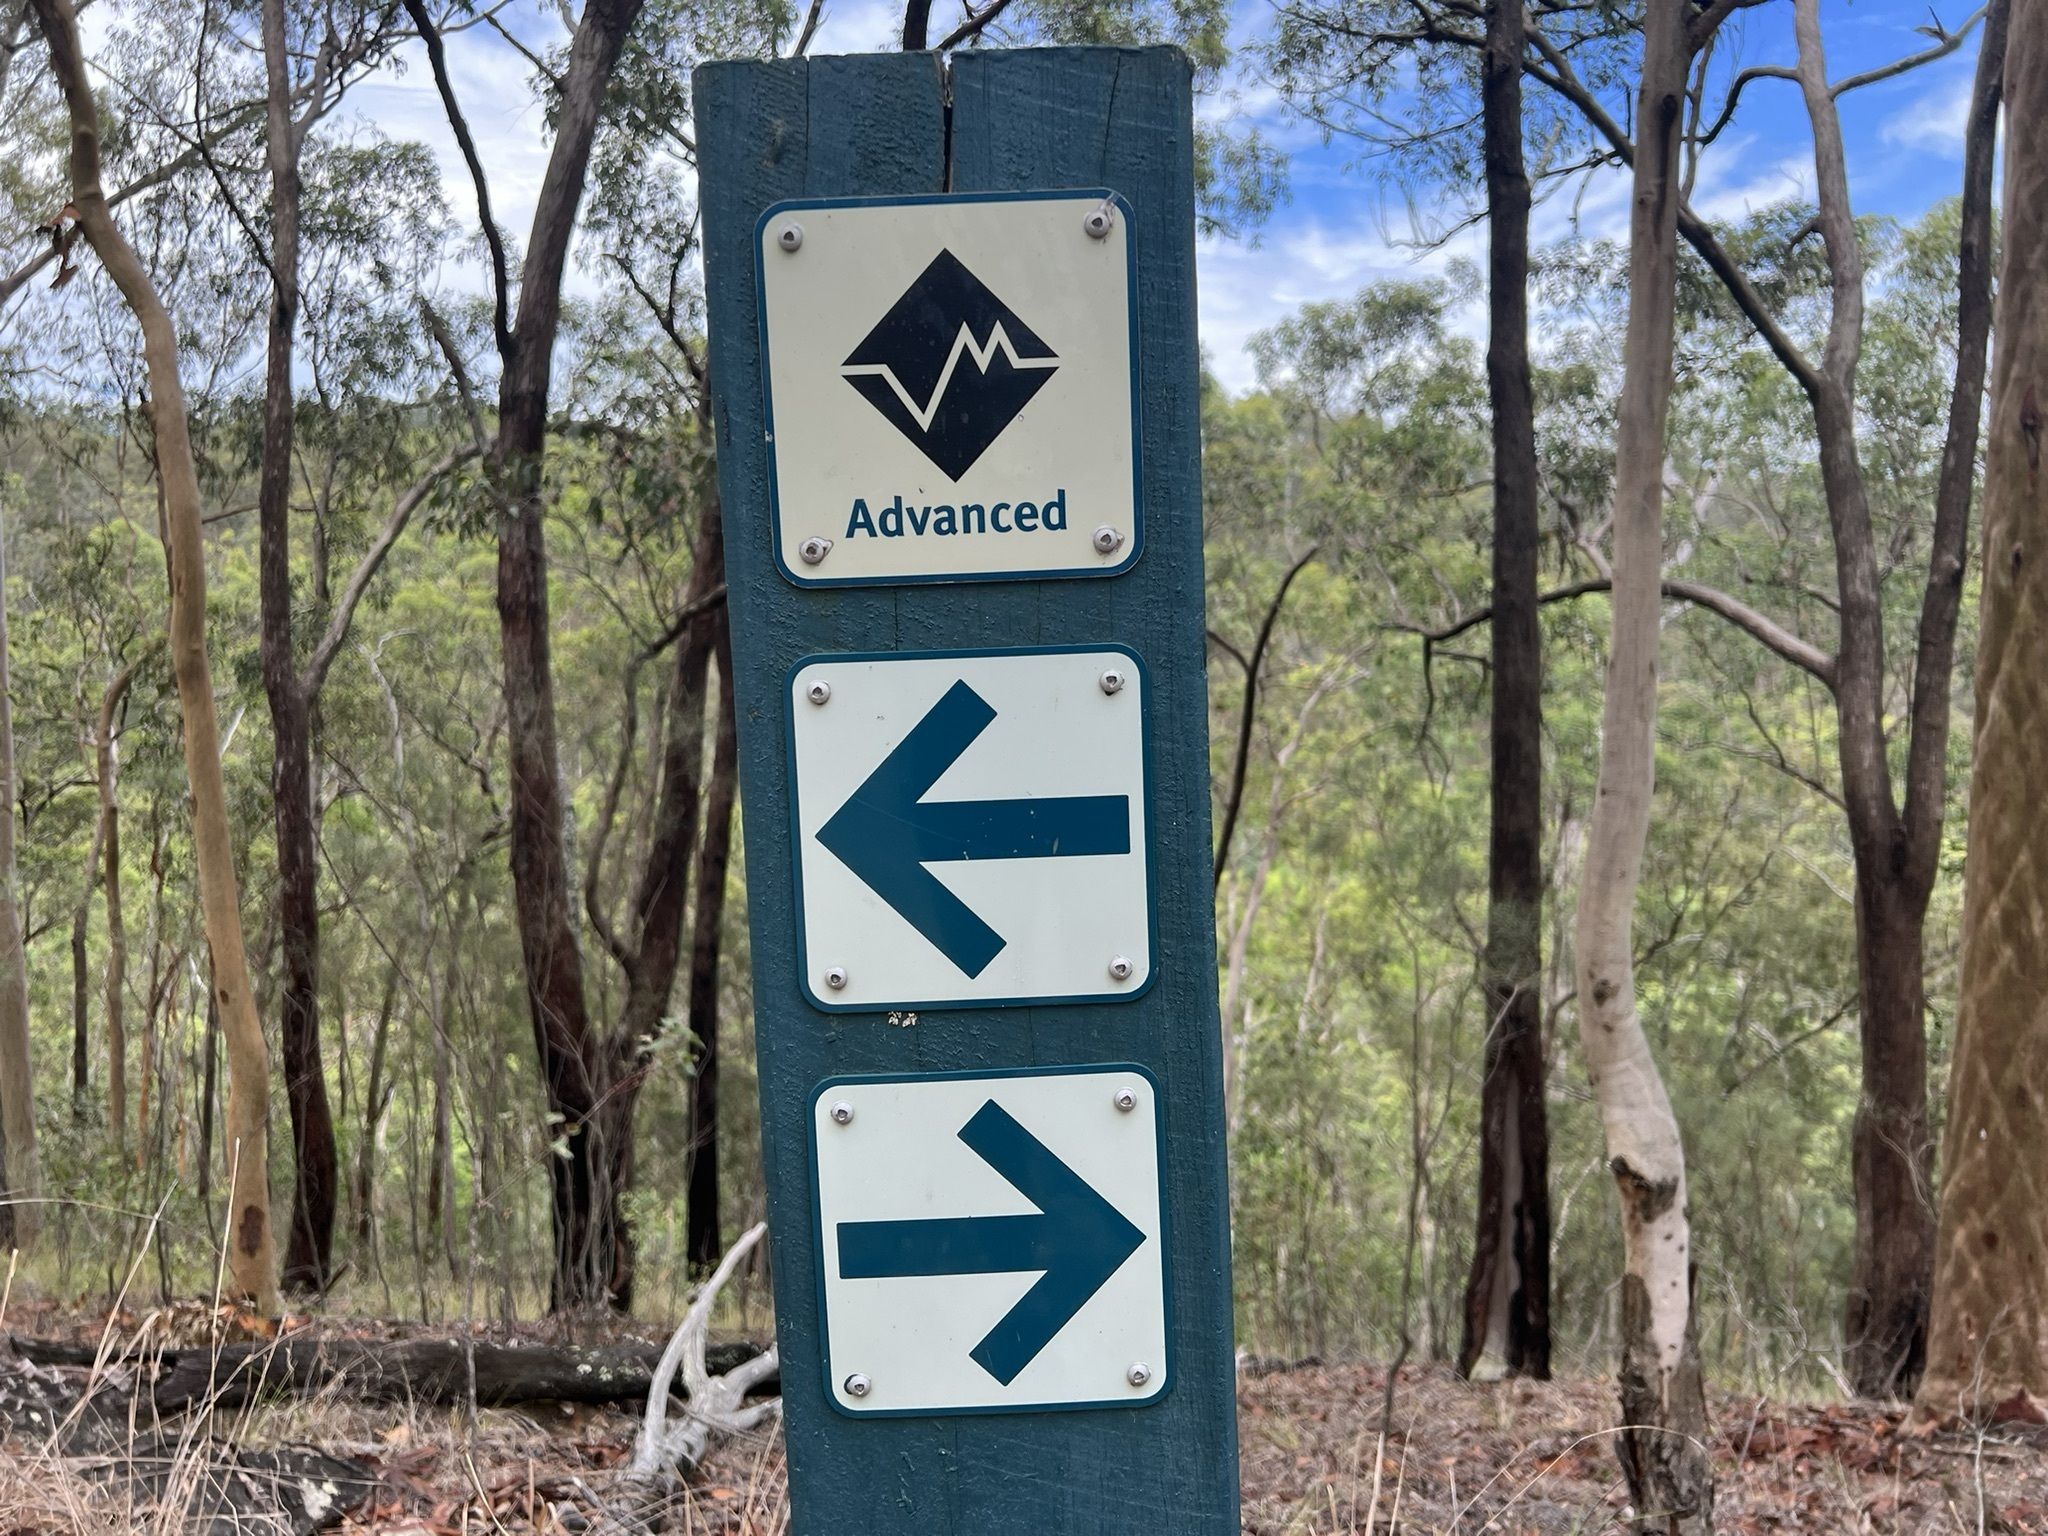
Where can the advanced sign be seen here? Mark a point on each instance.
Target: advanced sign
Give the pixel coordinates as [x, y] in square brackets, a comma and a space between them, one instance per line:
[970, 827]
[991, 1242]
[951, 387]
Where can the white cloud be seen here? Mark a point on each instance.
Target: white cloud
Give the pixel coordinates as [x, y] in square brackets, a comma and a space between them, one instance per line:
[1933, 120]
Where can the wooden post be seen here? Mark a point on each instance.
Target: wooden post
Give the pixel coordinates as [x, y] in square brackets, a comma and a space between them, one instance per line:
[913, 125]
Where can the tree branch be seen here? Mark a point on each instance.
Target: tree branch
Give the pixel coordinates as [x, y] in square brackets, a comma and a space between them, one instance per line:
[1949, 43]
[1949, 547]
[975, 24]
[437, 57]
[1234, 798]
[1766, 631]
[366, 568]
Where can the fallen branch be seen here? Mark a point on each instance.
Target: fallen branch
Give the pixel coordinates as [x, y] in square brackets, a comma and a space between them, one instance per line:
[666, 1456]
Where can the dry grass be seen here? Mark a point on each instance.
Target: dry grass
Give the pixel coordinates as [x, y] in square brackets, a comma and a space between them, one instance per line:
[1516, 1458]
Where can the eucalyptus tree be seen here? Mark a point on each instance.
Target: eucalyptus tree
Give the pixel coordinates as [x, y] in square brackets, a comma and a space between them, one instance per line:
[1573, 52]
[1987, 1352]
[252, 1259]
[1663, 1399]
[310, 57]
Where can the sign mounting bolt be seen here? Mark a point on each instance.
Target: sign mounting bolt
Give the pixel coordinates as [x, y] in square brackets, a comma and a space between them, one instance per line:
[1107, 540]
[818, 692]
[842, 1113]
[1113, 681]
[835, 978]
[1139, 1374]
[814, 550]
[790, 237]
[1099, 221]
[858, 1385]
[1127, 1099]
[1120, 968]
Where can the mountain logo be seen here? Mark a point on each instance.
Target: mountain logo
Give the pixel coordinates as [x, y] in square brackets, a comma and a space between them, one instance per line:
[950, 365]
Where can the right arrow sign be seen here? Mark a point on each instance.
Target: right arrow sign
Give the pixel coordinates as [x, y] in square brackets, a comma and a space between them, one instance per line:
[1076, 1243]
[991, 1242]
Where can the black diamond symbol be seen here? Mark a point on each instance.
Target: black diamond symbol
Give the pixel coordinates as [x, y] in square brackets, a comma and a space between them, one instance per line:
[950, 365]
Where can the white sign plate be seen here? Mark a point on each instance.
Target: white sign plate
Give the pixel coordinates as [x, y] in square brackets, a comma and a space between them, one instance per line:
[951, 387]
[970, 828]
[991, 1243]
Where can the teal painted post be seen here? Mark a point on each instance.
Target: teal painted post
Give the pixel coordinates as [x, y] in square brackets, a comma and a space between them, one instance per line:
[903, 124]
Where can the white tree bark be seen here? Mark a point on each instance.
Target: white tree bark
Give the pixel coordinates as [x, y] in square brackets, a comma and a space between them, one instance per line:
[1668, 1469]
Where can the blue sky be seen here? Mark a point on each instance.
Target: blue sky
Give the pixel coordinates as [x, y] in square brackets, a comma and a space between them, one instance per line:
[1340, 228]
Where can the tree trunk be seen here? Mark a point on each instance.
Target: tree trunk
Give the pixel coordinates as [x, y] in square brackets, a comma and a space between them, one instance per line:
[81, 983]
[1885, 1318]
[20, 1168]
[1990, 1312]
[116, 989]
[573, 1059]
[704, 1244]
[251, 1259]
[309, 1248]
[1507, 1294]
[377, 1090]
[1663, 1444]
[104, 856]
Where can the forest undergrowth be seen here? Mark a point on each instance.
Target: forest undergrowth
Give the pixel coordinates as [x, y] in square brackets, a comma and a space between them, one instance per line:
[1324, 1450]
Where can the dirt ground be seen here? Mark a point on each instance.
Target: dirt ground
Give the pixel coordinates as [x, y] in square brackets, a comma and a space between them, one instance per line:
[1513, 1458]
[1516, 1458]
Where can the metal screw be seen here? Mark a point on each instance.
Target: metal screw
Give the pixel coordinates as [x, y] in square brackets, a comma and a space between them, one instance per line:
[842, 1113]
[858, 1385]
[819, 691]
[1113, 681]
[1120, 968]
[1127, 1099]
[790, 237]
[1107, 541]
[1100, 221]
[1138, 1374]
[814, 550]
[835, 978]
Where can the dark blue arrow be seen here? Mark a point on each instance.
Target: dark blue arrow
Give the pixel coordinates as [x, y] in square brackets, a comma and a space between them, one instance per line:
[1079, 1241]
[887, 832]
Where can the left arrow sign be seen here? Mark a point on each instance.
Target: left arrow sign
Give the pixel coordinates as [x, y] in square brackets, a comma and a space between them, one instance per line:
[887, 832]
[1079, 1240]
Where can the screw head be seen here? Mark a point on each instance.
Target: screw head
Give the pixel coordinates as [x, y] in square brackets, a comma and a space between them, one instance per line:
[819, 691]
[835, 977]
[790, 237]
[1099, 221]
[1127, 1099]
[858, 1385]
[813, 550]
[1113, 680]
[1120, 968]
[842, 1113]
[1107, 540]
[1139, 1374]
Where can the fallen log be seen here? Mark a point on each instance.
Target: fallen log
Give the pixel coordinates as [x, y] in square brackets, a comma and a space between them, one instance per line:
[433, 1372]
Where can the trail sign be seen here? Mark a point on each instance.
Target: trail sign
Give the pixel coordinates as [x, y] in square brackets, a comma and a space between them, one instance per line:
[971, 827]
[978, 866]
[991, 1243]
[952, 389]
